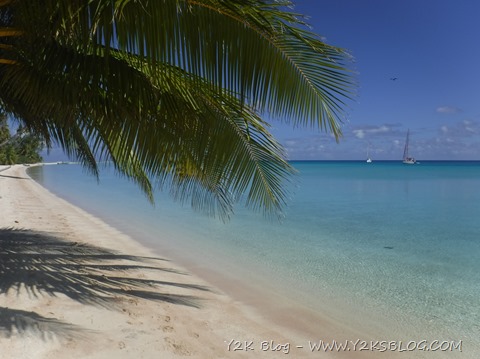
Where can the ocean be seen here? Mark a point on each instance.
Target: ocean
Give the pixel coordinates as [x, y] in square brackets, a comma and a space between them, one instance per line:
[387, 250]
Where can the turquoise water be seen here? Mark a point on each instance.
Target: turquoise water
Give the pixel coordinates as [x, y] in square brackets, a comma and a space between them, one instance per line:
[382, 247]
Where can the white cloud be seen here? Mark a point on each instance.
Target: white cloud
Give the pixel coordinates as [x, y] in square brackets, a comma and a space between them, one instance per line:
[362, 132]
[448, 109]
[457, 140]
[470, 126]
[359, 133]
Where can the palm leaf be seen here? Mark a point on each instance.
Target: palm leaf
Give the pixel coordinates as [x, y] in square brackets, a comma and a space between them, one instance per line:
[173, 90]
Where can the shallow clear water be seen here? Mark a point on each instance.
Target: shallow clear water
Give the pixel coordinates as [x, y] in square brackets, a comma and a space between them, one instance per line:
[398, 245]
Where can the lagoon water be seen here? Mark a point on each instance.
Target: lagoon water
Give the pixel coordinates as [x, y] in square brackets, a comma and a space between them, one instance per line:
[382, 248]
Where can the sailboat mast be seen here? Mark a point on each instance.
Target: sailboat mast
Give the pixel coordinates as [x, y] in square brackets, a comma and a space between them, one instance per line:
[405, 151]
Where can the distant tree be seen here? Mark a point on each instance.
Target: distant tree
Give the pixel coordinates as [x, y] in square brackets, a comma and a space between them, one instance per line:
[8, 155]
[23, 147]
[27, 148]
[4, 131]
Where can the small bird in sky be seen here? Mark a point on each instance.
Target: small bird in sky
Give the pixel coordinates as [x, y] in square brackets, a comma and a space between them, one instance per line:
[393, 78]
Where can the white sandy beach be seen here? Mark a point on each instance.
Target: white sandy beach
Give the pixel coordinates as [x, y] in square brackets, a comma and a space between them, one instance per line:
[72, 286]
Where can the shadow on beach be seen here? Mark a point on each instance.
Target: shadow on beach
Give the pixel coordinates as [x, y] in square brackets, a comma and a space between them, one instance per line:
[40, 264]
[14, 321]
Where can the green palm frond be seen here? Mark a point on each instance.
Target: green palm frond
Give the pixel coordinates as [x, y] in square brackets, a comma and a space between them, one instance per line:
[273, 65]
[173, 90]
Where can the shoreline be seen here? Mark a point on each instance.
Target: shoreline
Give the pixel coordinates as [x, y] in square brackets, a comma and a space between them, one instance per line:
[260, 297]
[73, 296]
[201, 332]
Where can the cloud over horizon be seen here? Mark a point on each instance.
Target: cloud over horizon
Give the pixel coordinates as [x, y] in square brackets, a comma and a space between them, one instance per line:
[449, 141]
[448, 109]
[362, 132]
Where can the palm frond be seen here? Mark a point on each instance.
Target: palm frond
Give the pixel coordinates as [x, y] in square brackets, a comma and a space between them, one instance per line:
[173, 91]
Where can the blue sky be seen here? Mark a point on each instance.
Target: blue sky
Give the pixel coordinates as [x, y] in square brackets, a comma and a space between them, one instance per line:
[432, 47]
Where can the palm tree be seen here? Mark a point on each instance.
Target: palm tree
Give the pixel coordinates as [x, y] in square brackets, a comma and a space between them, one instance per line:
[172, 91]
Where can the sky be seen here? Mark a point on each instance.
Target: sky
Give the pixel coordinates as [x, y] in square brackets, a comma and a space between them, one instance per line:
[431, 47]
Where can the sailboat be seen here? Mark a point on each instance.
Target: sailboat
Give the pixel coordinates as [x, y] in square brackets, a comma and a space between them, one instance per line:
[406, 158]
[369, 160]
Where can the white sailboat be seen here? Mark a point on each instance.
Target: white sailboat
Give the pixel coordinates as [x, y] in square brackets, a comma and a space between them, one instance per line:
[369, 160]
[406, 157]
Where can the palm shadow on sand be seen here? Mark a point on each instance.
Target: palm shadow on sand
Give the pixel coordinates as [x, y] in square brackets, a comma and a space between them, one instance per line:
[20, 322]
[41, 264]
